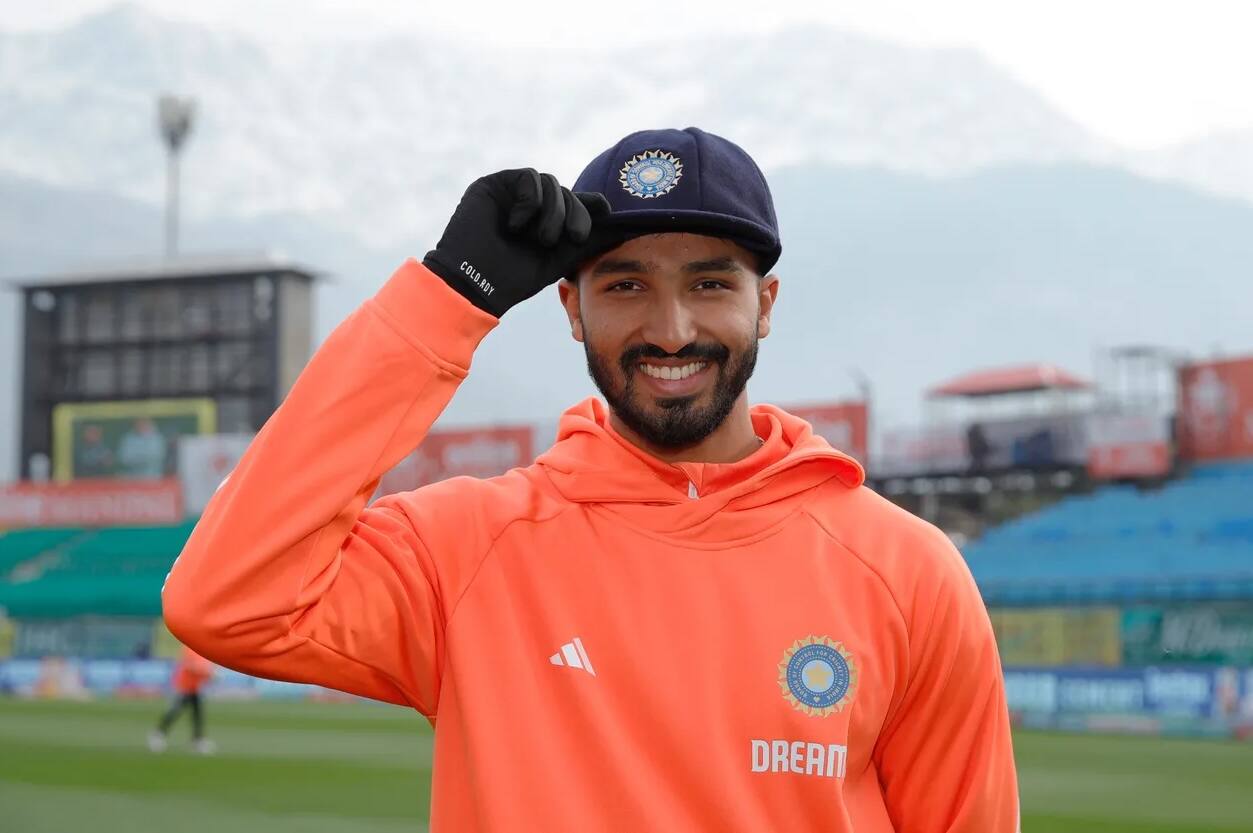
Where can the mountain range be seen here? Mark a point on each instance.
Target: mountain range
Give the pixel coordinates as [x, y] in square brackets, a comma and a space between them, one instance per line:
[937, 215]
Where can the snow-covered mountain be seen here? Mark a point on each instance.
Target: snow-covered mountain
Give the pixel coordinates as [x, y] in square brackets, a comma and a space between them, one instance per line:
[379, 138]
[1221, 163]
[944, 215]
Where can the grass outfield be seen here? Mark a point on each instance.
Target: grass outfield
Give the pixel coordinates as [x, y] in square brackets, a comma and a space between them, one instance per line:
[281, 768]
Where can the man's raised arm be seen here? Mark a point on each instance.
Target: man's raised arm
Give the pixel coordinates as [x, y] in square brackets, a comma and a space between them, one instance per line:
[287, 575]
[284, 576]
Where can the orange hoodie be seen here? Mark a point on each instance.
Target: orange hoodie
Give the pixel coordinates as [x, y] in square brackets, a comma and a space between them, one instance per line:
[603, 641]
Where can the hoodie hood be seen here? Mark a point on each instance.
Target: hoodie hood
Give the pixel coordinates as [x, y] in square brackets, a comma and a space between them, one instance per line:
[592, 464]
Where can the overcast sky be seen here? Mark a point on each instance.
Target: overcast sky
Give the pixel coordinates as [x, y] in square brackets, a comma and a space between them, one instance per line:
[1143, 73]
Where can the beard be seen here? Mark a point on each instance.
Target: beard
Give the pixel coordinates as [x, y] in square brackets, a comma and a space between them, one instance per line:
[676, 422]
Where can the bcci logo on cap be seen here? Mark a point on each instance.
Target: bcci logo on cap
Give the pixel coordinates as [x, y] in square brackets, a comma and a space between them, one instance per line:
[651, 174]
[817, 676]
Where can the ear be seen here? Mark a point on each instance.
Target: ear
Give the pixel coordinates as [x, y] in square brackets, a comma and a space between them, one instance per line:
[767, 293]
[568, 290]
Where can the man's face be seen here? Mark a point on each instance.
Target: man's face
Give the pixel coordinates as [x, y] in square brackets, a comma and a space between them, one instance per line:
[670, 324]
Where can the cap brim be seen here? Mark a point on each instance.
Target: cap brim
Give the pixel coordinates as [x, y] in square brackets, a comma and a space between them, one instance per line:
[612, 231]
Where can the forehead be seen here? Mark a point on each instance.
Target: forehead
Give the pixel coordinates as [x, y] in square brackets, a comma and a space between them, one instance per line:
[673, 250]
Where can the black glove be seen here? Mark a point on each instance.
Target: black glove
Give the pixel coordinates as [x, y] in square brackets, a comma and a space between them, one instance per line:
[514, 233]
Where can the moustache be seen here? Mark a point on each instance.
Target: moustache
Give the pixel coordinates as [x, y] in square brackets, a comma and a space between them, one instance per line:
[710, 352]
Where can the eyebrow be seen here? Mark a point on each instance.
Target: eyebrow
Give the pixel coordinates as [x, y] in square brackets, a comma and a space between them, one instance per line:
[717, 264]
[620, 266]
[614, 267]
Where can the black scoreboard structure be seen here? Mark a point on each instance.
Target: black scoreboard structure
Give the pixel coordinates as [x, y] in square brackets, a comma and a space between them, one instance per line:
[188, 346]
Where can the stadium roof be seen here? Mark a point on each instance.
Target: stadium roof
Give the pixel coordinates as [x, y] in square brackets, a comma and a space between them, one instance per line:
[1006, 380]
[188, 266]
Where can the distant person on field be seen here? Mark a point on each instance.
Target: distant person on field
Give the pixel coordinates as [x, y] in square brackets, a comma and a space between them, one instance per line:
[142, 450]
[191, 674]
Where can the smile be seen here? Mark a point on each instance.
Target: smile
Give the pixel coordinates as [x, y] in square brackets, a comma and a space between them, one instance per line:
[672, 373]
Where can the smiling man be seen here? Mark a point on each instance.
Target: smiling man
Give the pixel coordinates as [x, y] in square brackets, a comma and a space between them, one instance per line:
[687, 615]
[670, 324]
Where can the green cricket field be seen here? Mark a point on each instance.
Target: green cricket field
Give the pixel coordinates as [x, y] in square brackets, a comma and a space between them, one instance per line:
[318, 767]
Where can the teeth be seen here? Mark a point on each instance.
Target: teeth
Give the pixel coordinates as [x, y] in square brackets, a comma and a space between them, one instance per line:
[672, 372]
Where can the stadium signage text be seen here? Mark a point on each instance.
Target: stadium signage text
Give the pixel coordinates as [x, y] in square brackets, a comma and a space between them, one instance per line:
[91, 503]
[1194, 692]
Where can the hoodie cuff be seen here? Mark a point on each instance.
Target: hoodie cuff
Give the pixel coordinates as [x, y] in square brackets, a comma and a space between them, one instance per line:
[432, 315]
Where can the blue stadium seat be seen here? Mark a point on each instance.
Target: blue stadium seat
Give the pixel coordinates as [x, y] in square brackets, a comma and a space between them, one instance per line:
[1191, 539]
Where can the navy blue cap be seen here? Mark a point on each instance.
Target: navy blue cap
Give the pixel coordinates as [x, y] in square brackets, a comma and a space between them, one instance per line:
[688, 180]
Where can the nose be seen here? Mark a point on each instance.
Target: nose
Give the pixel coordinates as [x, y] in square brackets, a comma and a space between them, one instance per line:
[669, 324]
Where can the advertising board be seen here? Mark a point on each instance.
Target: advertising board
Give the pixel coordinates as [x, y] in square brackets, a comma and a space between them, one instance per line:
[1216, 410]
[1179, 692]
[91, 503]
[1058, 636]
[204, 462]
[843, 424]
[473, 452]
[1127, 446]
[1219, 633]
[60, 678]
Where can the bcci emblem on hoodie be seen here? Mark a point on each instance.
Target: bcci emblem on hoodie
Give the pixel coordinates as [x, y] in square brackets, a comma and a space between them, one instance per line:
[651, 174]
[817, 676]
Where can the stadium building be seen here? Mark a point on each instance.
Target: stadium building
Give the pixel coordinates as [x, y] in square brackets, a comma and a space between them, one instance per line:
[141, 385]
[208, 345]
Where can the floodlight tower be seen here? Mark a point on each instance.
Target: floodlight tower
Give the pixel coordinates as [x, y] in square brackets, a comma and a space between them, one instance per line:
[174, 115]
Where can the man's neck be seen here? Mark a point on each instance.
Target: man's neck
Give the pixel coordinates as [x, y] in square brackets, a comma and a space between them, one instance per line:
[730, 442]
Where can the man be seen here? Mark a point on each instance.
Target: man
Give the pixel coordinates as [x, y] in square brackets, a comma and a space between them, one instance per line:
[142, 450]
[687, 615]
[92, 458]
[192, 673]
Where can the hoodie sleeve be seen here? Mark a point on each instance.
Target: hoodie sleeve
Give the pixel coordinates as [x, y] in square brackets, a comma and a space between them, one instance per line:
[945, 756]
[287, 575]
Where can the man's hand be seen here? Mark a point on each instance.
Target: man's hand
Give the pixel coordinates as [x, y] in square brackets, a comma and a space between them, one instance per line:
[514, 233]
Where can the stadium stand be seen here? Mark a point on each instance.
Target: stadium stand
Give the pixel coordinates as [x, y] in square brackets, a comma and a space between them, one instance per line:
[67, 572]
[21, 545]
[1191, 539]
